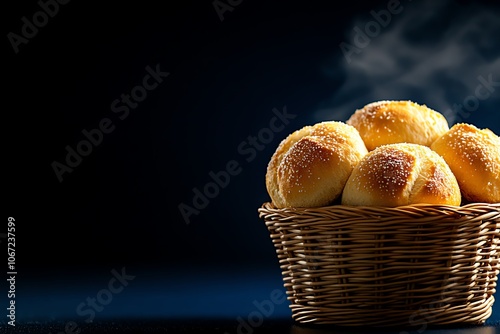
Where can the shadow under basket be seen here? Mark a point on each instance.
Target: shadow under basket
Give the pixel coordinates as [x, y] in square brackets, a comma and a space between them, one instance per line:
[378, 266]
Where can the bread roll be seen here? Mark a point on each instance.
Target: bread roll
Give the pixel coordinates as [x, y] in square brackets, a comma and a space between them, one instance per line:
[388, 122]
[310, 166]
[401, 174]
[474, 157]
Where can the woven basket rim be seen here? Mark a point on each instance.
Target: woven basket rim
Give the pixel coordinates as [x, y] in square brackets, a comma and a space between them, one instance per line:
[481, 206]
[472, 213]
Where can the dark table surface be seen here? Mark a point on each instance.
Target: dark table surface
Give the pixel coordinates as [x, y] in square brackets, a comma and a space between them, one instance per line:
[229, 326]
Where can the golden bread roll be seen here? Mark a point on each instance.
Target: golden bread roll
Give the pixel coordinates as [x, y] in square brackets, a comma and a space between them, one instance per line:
[474, 157]
[401, 174]
[388, 122]
[310, 166]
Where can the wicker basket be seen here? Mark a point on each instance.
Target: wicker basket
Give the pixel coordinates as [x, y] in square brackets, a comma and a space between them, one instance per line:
[377, 267]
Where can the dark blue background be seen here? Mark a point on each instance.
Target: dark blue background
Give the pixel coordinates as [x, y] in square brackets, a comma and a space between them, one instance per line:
[119, 207]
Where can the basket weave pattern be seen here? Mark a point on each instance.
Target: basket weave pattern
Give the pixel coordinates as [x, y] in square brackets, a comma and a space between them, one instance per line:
[373, 266]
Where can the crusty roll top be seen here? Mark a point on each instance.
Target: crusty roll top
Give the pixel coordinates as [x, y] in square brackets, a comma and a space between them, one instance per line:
[388, 122]
[310, 167]
[474, 157]
[401, 174]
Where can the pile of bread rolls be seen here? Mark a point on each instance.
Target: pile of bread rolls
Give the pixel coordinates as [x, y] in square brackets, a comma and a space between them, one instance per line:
[388, 153]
